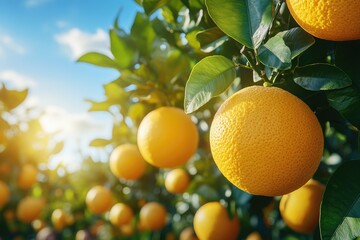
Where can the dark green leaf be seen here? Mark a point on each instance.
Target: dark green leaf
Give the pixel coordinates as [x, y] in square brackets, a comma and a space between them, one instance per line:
[152, 5]
[274, 53]
[297, 40]
[121, 49]
[98, 59]
[12, 98]
[316, 77]
[340, 208]
[347, 102]
[209, 78]
[99, 142]
[143, 33]
[245, 21]
[211, 38]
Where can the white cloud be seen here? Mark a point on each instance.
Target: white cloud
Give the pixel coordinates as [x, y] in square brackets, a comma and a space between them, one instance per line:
[34, 3]
[9, 45]
[16, 80]
[79, 42]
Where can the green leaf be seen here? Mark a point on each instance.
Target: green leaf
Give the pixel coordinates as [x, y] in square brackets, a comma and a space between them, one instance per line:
[347, 102]
[152, 5]
[99, 106]
[98, 59]
[340, 208]
[211, 38]
[121, 48]
[245, 21]
[143, 33]
[209, 78]
[316, 77]
[12, 98]
[297, 40]
[99, 142]
[274, 53]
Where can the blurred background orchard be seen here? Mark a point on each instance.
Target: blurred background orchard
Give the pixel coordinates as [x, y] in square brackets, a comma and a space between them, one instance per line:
[60, 120]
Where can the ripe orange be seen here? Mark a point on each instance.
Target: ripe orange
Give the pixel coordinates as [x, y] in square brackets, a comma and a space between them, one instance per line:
[167, 137]
[4, 194]
[60, 219]
[254, 236]
[99, 199]
[336, 20]
[153, 216]
[121, 214]
[29, 209]
[188, 234]
[27, 176]
[177, 181]
[212, 222]
[127, 230]
[300, 209]
[266, 141]
[126, 162]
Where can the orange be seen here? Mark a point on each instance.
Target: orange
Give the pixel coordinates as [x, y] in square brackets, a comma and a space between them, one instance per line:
[4, 194]
[153, 216]
[254, 236]
[187, 234]
[29, 209]
[60, 219]
[300, 209]
[266, 141]
[27, 176]
[167, 137]
[126, 230]
[336, 20]
[121, 214]
[177, 181]
[99, 199]
[126, 162]
[212, 222]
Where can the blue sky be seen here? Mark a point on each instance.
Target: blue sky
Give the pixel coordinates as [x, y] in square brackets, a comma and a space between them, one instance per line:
[39, 43]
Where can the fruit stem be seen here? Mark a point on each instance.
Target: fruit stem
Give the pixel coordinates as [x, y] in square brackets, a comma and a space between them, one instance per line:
[253, 63]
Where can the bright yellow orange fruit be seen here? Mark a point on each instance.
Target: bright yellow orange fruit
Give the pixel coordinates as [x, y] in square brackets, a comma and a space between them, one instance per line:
[266, 141]
[300, 209]
[153, 216]
[126, 162]
[336, 20]
[167, 137]
[121, 214]
[99, 199]
[29, 209]
[188, 234]
[212, 222]
[177, 181]
[27, 176]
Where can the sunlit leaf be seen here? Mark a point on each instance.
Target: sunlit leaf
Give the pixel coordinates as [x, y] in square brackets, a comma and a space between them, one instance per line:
[12, 98]
[340, 208]
[245, 21]
[152, 5]
[99, 142]
[210, 39]
[98, 59]
[143, 33]
[209, 78]
[122, 49]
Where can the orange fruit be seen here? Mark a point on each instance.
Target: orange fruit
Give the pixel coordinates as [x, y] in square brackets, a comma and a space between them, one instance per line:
[121, 214]
[167, 137]
[126, 230]
[27, 176]
[300, 209]
[126, 162]
[266, 141]
[177, 181]
[212, 222]
[4, 194]
[254, 236]
[29, 209]
[153, 216]
[336, 20]
[59, 219]
[188, 234]
[99, 199]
